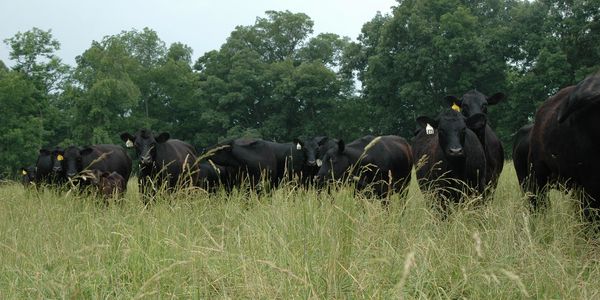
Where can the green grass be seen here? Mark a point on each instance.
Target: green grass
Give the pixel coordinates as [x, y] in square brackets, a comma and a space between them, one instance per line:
[292, 244]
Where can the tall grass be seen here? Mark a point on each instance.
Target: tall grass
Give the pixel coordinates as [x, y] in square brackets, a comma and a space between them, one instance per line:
[292, 243]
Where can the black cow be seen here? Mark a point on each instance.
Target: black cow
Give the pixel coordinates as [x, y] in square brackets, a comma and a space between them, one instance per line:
[212, 176]
[449, 155]
[28, 176]
[102, 157]
[371, 161]
[46, 173]
[520, 154]
[473, 102]
[250, 159]
[564, 143]
[169, 162]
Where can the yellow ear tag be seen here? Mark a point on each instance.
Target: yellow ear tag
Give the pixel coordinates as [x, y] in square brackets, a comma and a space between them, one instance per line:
[455, 107]
[24, 172]
[59, 157]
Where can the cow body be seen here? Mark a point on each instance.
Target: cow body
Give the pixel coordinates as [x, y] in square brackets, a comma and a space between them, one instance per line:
[520, 154]
[163, 161]
[450, 160]
[564, 143]
[384, 163]
[212, 176]
[249, 160]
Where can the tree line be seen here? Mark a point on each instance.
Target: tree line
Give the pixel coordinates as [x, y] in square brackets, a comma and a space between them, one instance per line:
[277, 80]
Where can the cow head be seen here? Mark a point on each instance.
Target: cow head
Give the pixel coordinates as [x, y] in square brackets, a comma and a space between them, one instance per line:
[587, 92]
[71, 160]
[309, 149]
[451, 128]
[474, 102]
[27, 175]
[335, 162]
[145, 144]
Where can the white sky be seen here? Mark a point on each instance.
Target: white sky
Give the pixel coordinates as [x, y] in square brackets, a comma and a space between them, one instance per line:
[202, 25]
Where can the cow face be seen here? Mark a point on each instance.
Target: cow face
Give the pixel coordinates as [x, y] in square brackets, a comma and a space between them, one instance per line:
[72, 160]
[309, 148]
[335, 162]
[452, 127]
[145, 144]
[27, 175]
[474, 102]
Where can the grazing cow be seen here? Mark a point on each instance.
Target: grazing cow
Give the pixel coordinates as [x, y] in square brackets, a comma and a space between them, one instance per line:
[384, 162]
[450, 154]
[564, 144]
[474, 102]
[102, 157]
[249, 159]
[109, 184]
[520, 153]
[28, 176]
[169, 162]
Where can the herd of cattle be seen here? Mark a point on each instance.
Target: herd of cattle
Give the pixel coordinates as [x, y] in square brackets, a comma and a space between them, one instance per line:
[456, 152]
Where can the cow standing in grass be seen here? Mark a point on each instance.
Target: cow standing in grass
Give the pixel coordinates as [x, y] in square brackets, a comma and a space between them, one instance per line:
[471, 103]
[383, 163]
[164, 162]
[450, 159]
[565, 143]
[103, 157]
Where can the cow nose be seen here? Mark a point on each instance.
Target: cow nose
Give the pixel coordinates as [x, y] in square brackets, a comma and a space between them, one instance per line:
[312, 163]
[145, 159]
[57, 169]
[455, 151]
[71, 174]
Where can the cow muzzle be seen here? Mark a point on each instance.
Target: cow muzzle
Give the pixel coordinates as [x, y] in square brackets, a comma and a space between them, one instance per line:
[456, 152]
[145, 160]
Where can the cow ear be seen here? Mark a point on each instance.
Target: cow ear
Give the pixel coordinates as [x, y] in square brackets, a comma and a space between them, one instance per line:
[298, 143]
[86, 151]
[163, 137]
[23, 171]
[126, 136]
[452, 100]
[495, 98]
[476, 121]
[424, 120]
[341, 146]
[45, 152]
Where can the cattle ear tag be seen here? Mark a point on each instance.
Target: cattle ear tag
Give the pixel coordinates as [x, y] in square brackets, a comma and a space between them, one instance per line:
[59, 157]
[455, 107]
[24, 172]
[319, 162]
[298, 146]
[129, 144]
[429, 129]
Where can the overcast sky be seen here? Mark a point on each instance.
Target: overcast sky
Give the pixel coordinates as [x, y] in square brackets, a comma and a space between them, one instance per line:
[202, 25]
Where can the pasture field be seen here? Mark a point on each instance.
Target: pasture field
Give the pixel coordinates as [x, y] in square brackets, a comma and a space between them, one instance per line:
[292, 244]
